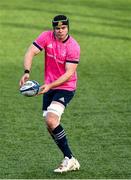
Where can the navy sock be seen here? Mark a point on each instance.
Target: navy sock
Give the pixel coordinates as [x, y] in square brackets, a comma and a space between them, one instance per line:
[59, 136]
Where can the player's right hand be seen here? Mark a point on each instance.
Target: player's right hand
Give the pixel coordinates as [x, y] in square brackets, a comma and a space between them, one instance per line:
[23, 79]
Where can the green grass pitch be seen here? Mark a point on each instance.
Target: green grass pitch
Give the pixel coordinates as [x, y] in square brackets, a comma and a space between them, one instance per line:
[97, 121]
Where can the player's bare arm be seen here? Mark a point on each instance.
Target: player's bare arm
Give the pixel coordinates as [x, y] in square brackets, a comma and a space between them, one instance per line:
[70, 70]
[31, 52]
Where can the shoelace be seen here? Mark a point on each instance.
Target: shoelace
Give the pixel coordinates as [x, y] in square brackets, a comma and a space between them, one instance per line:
[64, 163]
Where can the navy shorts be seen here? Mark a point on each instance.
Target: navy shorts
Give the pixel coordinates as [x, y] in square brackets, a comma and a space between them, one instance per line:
[59, 95]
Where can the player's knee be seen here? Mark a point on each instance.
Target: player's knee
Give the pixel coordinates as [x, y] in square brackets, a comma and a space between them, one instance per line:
[53, 114]
[52, 120]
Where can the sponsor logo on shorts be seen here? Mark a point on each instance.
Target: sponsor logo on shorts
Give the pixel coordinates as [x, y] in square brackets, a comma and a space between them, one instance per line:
[62, 99]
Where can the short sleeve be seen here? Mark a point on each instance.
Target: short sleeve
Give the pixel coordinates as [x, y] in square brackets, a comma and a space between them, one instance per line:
[73, 53]
[41, 41]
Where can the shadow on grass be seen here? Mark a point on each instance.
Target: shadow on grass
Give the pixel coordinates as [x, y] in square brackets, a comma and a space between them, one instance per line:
[124, 22]
[35, 9]
[105, 36]
[116, 25]
[74, 31]
[95, 4]
[25, 26]
[79, 14]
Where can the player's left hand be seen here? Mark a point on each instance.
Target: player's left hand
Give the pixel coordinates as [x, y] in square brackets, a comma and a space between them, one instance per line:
[44, 88]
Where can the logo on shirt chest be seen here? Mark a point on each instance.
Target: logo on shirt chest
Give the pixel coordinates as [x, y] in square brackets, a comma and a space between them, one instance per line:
[57, 53]
[49, 46]
[61, 51]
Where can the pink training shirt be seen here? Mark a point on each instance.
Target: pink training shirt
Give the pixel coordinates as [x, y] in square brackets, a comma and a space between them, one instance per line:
[57, 54]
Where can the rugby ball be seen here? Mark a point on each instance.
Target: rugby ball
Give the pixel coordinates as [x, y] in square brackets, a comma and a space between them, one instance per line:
[30, 88]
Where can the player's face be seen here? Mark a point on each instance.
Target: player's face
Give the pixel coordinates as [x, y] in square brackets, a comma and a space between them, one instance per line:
[61, 32]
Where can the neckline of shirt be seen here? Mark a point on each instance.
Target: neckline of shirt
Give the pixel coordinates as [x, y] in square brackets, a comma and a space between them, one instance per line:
[64, 40]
